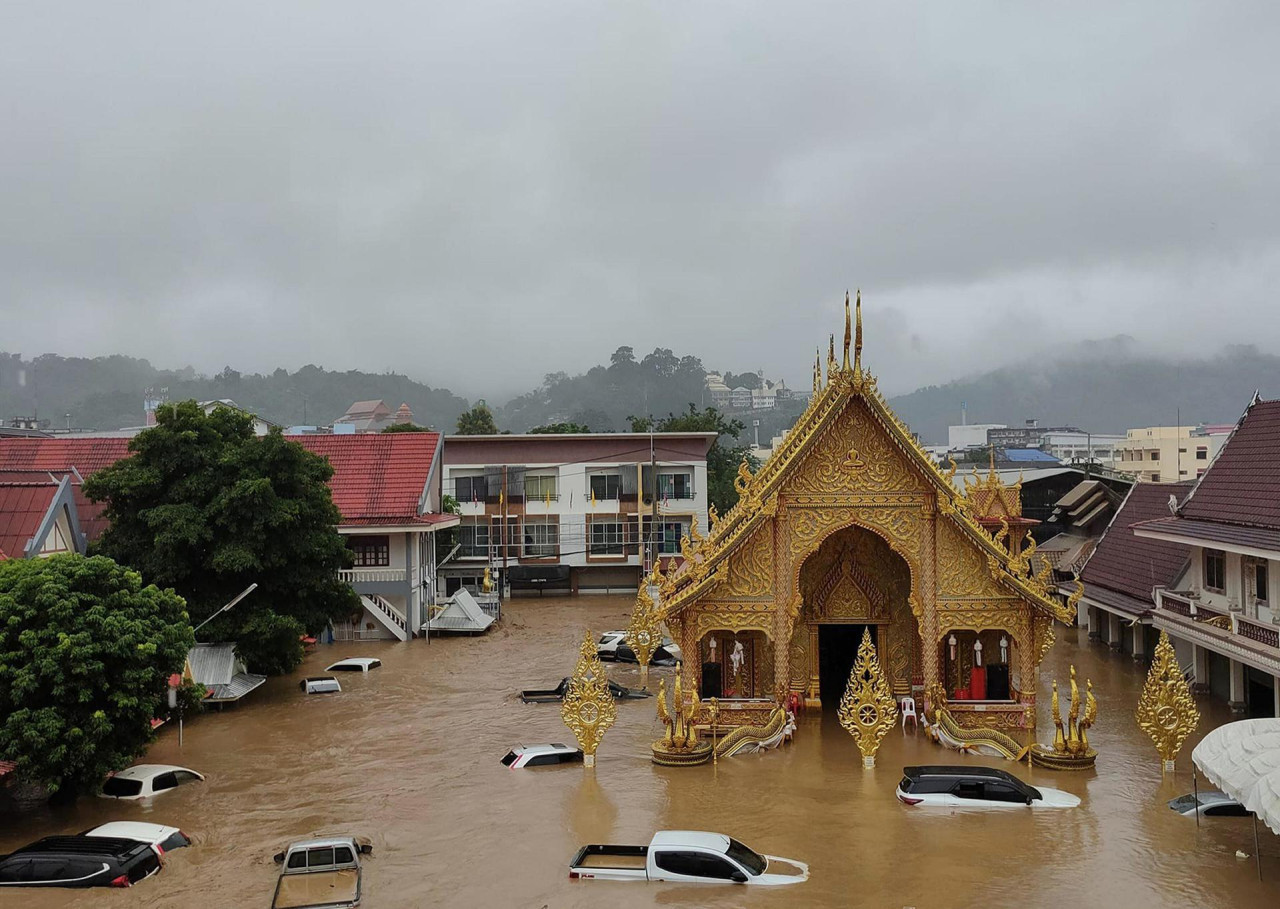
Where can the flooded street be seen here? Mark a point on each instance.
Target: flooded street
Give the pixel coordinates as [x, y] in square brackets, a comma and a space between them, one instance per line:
[409, 756]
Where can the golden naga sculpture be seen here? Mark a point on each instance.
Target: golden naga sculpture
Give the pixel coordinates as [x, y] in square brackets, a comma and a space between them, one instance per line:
[486, 585]
[942, 727]
[867, 709]
[745, 739]
[1070, 749]
[644, 632]
[679, 745]
[588, 708]
[1166, 710]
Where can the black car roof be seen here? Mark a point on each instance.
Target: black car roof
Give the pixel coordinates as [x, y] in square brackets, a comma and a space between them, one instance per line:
[945, 770]
[114, 846]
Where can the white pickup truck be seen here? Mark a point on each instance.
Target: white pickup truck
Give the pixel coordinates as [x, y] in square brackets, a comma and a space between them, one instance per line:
[320, 874]
[687, 856]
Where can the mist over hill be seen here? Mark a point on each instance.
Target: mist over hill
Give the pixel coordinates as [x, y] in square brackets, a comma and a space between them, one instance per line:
[1103, 386]
[1100, 387]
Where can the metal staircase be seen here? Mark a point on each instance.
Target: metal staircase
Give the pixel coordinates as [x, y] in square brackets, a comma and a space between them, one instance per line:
[391, 618]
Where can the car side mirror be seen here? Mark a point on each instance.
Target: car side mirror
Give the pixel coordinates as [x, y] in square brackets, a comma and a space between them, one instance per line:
[278, 857]
[738, 877]
[366, 848]
[1029, 800]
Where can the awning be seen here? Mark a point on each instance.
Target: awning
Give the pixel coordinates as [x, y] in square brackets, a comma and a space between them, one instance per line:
[1243, 760]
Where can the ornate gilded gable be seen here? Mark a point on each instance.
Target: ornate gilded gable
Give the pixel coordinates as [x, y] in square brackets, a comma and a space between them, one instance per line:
[853, 455]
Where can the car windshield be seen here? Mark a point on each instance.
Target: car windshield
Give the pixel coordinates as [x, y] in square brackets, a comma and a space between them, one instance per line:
[121, 787]
[747, 858]
[509, 758]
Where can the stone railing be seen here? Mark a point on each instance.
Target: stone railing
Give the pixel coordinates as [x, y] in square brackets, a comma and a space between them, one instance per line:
[1262, 632]
[372, 575]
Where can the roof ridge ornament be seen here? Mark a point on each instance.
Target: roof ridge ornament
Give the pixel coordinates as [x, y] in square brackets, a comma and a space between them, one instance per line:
[857, 344]
[847, 333]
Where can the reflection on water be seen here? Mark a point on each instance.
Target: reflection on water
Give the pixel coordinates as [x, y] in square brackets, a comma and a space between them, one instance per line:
[408, 755]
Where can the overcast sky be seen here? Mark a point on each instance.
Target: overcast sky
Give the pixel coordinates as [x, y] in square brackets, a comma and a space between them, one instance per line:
[476, 194]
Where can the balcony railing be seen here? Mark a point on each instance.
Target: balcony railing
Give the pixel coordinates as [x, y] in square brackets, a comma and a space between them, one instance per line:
[1263, 633]
[1229, 622]
[373, 575]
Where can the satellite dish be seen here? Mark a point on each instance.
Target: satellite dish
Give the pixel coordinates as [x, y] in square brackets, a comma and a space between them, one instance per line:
[1173, 504]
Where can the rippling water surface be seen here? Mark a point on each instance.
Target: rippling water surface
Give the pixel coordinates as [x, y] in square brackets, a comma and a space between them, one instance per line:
[408, 755]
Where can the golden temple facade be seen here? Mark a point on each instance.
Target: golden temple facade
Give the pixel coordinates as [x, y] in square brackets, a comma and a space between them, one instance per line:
[849, 527]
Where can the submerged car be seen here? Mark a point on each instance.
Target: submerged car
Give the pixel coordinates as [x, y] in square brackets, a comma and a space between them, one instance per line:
[354, 664]
[607, 646]
[1212, 804]
[975, 787]
[145, 780]
[324, 684]
[165, 838]
[523, 756]
[79, 861]
[666, 654]
[555, 695]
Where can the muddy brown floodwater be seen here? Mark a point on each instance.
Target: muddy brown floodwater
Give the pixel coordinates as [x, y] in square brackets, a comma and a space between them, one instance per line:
[409, 756]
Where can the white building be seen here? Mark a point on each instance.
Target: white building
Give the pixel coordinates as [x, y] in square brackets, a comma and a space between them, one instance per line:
[1073, 445]
[1169, 454]
[577, 508]
[969, 435]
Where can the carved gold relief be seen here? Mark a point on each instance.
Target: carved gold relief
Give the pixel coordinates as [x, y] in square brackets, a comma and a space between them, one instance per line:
[1166, 710]
[867, 709]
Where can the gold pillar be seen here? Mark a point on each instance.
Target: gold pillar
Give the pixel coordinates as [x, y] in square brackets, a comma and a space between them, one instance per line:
[928, 593]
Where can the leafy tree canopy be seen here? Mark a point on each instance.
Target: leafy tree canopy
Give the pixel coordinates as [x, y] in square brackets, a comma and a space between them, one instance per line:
[406, 427]
[561, 428]
[85, 655]
[206, 507]
[724, 455]
[478, 421]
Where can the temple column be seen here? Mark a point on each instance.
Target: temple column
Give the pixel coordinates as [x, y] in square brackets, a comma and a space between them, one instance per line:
[1200, 661]
[1139, 642]
[1237, 700]
[926, 590]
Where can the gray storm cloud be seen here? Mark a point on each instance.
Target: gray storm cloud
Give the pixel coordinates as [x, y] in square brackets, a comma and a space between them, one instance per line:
[477, 194]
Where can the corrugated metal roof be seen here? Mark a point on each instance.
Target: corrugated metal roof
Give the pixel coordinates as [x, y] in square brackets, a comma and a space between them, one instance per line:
[241, 684]
[212, 664]
[462, 614]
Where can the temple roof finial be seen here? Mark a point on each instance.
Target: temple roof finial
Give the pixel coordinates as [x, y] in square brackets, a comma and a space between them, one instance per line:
[831, 358]
[857, 344]
[817, 370]
[847, 332]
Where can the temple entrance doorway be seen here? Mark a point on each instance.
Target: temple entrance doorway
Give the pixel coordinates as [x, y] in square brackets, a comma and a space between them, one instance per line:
[837, 648]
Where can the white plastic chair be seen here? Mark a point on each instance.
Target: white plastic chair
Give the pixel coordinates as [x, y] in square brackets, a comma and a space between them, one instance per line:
[907, 707]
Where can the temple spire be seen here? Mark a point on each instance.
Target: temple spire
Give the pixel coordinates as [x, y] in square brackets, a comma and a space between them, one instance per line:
[817, 370]
[847, 332]
[831, 359]
[857, 343]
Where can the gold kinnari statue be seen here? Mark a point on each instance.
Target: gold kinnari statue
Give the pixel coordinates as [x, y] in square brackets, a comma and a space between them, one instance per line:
[1166, 710]
[867, 709]
[679, 745]
[644, 633]
[588, 708]
[1070, 749]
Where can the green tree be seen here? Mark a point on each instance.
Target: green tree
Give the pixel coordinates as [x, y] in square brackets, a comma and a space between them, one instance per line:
[560, 428]
[723, 457]
[478, 421]
[206, 507]
[85, 654]
[406, 427]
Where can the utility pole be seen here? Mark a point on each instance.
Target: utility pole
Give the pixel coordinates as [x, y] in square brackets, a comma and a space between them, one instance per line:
[503, 533]
[653, 509]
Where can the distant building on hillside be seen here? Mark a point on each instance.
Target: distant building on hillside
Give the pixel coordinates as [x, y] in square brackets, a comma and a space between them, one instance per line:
[371, 416]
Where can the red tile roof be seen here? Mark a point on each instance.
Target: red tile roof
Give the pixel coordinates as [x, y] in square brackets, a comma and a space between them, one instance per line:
[377, 478]
[1242, 485]
[22, 508]
[1124, 568]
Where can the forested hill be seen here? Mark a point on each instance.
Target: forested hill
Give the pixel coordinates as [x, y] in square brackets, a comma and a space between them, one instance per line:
[1102, 387]
[107, 392]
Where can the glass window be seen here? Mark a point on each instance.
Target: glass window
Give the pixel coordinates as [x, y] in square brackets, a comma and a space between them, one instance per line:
[606, 538]
[541, 538]
[1155, 456]
[342, 856]
[1215, 570]
[1260, 581]
[298, 860]
[675, 486]
[320, 858]
[968, 789]
[605, 485]
[121, 788]
[1202, 454]
[669, 534]
[185, 776]
[1234, 810]
[747, 858]
[469, 489]
[1003, 792]
[370, 552]
[694, 864]
[164, 781]
[473, 537]
[540, 488]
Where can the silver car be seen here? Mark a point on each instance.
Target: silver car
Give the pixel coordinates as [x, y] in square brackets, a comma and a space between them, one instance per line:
[1212, 804]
